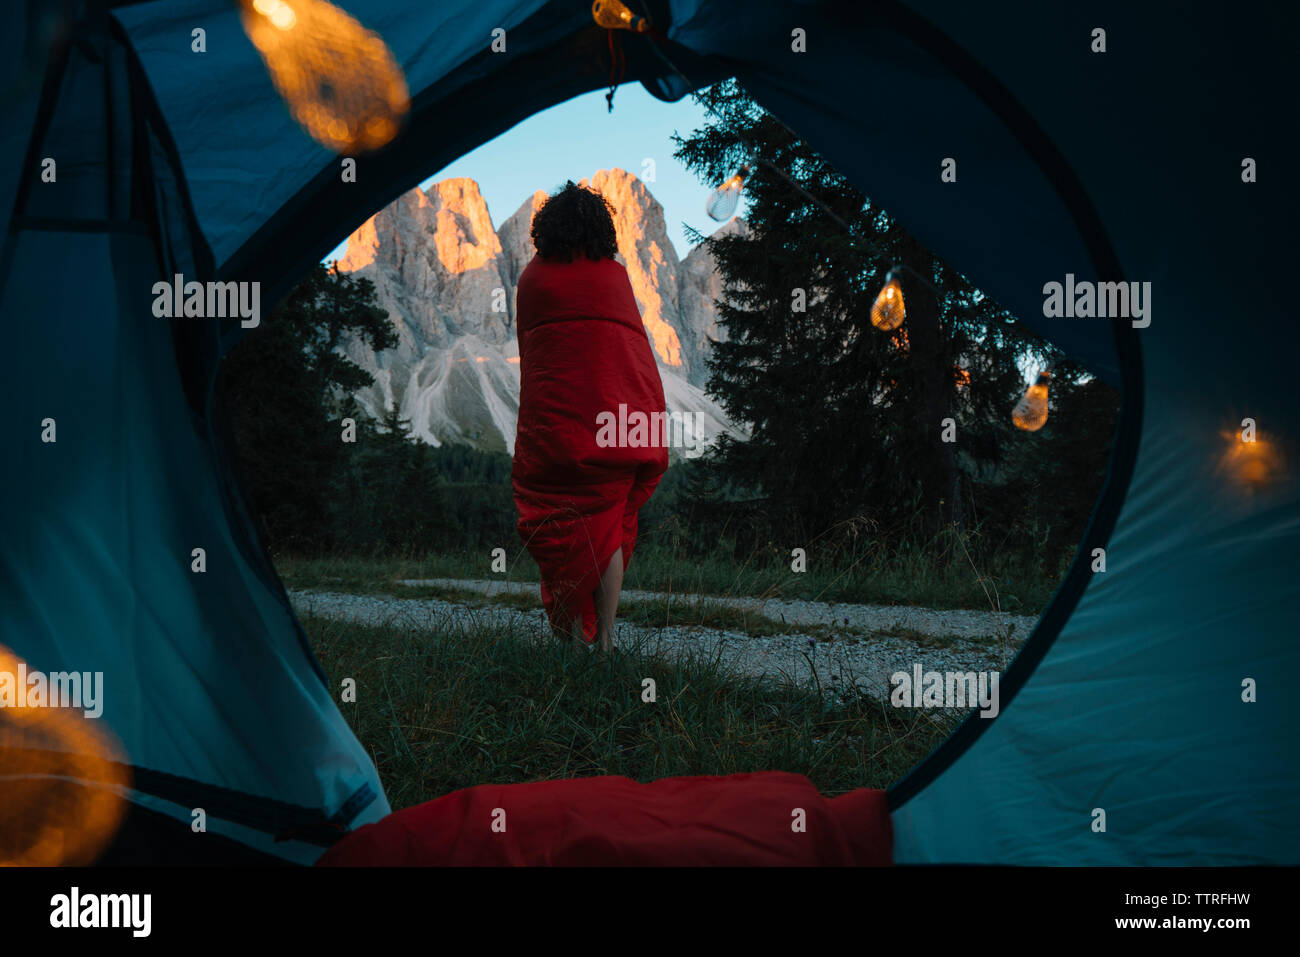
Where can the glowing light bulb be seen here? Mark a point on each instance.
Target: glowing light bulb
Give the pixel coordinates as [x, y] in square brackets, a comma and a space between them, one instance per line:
[614, 15]
[889, 310]
[63, 779]
[723, 200]
[1251, 463]
[339, 80]
[278, 12]
[1030, 412]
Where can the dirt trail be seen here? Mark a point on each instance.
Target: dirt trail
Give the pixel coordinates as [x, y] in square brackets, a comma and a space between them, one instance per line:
[859, 659]
[958, 622]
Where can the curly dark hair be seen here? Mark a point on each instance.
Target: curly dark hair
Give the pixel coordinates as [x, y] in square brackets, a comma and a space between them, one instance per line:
[574, 221]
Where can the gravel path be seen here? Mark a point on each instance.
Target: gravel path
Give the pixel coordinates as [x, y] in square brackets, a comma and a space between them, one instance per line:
[961, 623]
[860, 659]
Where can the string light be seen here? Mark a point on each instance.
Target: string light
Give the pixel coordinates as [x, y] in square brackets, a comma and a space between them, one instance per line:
[889, 310]
[723, 200]
[614, 15]
[61, 781]
[1250, 460]
[339, 80]
[1030, 412]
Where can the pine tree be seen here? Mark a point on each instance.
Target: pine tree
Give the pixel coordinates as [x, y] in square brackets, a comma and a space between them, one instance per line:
[287, 391]
[845, 419]
[398, 505]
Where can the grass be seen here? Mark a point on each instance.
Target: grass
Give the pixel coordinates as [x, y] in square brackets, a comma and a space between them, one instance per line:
[942, 574]
[474, 700]
[447, 707]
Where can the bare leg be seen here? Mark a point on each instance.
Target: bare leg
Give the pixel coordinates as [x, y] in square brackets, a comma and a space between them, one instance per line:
[606, 596]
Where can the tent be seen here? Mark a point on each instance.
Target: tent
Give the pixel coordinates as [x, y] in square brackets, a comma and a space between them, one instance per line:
[1151, 690]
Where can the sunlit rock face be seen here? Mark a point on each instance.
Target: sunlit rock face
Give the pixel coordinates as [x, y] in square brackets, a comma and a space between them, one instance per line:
[643, 247]
[435, 260]
[447, 278]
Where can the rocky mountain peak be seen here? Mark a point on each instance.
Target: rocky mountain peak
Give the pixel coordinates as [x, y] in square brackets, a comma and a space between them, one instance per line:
[447, 278]
[645, 250]
[462, 227]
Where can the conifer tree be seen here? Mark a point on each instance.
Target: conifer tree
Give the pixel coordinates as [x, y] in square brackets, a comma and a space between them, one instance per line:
[287, 392]
[846, 420]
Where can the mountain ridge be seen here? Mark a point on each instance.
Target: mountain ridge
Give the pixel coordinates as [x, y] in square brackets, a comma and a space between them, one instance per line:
[447, 278]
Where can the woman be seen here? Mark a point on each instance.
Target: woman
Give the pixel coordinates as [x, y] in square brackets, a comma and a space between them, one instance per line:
[583, 353]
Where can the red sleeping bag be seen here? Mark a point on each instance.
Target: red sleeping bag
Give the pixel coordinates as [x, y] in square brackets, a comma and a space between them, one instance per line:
[766, 818]
[583, 351]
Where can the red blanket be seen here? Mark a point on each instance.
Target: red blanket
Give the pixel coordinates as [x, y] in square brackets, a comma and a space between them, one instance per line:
[583, 352]
[765, 818]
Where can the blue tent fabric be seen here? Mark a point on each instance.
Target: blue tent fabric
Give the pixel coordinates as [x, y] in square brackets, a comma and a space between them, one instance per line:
[207, 677]
[223, 138]
[1123, 165]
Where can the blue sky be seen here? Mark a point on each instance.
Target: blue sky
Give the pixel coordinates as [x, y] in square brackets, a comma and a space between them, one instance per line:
[574, 139]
